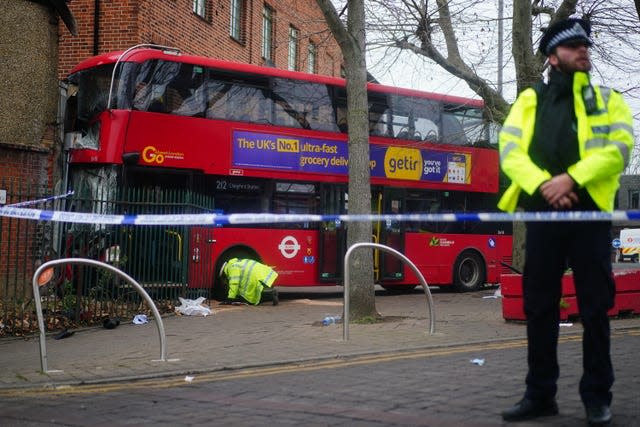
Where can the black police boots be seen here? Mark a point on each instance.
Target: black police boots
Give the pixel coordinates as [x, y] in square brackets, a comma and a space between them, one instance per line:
[527, 409]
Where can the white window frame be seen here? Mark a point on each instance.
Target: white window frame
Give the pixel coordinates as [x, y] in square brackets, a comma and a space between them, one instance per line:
[293, 48]
[267, 32]
[312, 56]
[200, 8]
[235, 19]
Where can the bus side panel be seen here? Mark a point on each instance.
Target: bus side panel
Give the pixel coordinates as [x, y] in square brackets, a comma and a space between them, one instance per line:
[292, 253]
[435, 254]
[485, 171]
[176, 141]
[113, 127]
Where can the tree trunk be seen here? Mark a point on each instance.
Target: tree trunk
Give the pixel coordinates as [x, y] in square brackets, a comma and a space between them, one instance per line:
[352, 44]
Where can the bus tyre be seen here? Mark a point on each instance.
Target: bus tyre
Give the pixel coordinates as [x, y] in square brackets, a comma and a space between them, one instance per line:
[220, 289]
[468, 272]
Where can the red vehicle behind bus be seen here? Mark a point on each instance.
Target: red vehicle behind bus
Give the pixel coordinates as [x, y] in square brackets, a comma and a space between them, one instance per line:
[259, 139]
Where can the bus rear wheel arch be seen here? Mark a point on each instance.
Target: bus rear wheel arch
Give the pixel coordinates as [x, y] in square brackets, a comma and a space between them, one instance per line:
[469, 271]
[220, 287]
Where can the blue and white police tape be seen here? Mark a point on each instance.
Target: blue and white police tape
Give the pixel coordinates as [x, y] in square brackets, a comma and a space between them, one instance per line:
[44, 200]
[268, 218]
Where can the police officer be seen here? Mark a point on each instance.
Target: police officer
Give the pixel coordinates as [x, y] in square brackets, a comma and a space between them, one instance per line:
[564, 146]
[247, 278]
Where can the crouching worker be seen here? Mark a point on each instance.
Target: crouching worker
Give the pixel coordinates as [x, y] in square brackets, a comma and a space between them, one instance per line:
[247, 279]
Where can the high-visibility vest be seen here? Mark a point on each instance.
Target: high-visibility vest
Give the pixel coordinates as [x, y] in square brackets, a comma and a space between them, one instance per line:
[605, 141]
[248, 278]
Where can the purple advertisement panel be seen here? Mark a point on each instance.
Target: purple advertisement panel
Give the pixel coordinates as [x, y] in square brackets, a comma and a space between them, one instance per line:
[263, 150]
[313, 155]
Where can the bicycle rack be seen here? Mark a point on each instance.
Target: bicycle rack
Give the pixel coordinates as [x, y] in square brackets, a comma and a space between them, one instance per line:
[423, 282]
[91, 262]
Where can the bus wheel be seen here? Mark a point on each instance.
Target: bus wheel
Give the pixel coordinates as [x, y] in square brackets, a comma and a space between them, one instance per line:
[398, 289]
[468, 272]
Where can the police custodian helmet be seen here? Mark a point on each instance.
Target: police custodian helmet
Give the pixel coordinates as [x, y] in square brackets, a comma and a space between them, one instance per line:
[565, 31]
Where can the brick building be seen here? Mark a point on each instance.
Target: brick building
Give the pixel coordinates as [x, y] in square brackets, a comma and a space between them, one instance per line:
[282, 33]
[28, 143]
[38, 50]
[28, 47]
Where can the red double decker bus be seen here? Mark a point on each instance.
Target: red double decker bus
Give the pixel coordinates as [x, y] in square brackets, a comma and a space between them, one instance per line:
[260, 139]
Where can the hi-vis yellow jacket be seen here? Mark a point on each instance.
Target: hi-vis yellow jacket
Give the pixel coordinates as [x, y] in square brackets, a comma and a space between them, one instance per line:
[248, 278]
[605, 141]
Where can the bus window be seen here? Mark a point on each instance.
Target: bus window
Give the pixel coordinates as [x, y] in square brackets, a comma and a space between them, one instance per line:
[238, 203]
[295, 198]
[91, 95]
[247, 104]
[463, 126]
[217, 99]
[415, 118]
[379, 115]
[339, 100]
[151, 86]
[423, 202]
[192, 90]
[238, 97]
[87, 97]
[302, 104]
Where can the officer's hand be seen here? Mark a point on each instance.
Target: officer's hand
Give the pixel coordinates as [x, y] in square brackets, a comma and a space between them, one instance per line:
[558, 188]
[567, 202]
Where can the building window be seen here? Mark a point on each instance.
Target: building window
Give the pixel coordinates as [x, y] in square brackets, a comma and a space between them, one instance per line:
[235, 26]
[199, 8]
[634, 199]
[293, 48]
[332, 65]
[311, 58]
[267, 33]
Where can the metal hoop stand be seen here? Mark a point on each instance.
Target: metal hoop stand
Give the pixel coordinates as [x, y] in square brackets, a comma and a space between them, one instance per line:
[423, 282]
[94, 263]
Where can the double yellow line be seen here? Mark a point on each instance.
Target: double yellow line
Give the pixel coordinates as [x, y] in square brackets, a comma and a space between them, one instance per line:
[159, 383]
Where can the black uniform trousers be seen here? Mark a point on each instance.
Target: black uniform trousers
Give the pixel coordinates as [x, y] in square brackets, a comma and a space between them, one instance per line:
[585, 247]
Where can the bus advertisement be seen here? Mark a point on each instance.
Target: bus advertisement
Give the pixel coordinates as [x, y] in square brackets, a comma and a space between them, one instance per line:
[253, 139]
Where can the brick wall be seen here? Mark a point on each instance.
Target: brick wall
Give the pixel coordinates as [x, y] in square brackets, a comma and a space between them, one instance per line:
[26, 175]
[124, 23]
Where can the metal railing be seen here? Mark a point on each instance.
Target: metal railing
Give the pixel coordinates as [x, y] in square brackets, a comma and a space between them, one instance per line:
[423, 282]
[90, 262]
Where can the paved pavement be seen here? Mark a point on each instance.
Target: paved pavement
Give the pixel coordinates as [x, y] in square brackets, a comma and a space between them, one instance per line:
[236, 337]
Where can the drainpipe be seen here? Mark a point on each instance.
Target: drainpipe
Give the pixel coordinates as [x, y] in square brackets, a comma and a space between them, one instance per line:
[96, 27]
[250, 37]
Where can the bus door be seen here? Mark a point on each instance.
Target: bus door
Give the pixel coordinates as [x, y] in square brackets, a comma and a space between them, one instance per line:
[333, 234]
[389, 233]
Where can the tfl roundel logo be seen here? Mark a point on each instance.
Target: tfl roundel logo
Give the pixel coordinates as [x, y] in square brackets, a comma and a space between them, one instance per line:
[289, 247]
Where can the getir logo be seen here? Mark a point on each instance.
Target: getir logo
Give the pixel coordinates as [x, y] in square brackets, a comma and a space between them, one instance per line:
[403, 163]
